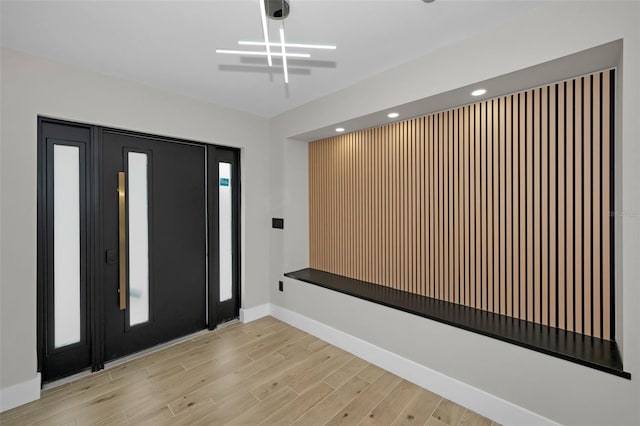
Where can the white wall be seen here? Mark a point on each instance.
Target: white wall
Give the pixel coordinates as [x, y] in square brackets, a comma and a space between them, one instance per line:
[557, 389]
[33, 86]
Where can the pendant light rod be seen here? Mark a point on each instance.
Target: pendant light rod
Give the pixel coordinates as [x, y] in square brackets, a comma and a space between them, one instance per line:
[284, 54]
[265, 31]
[257, 53]
[294, 45]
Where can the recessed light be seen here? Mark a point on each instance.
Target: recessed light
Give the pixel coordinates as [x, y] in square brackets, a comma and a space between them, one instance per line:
[478, 92]
[393, 115]
[340, 129]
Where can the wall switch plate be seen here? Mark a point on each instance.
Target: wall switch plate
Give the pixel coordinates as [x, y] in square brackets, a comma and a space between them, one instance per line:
[280, 286]
[277, 223]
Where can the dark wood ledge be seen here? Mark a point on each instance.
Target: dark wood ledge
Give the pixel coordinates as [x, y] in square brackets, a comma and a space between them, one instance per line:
[591, 352]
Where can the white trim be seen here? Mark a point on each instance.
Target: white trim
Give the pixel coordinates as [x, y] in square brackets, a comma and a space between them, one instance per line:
[484, 403]
[257, 312]
[20, 393]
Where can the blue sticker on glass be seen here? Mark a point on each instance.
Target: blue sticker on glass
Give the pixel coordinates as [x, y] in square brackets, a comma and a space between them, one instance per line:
[224, 181]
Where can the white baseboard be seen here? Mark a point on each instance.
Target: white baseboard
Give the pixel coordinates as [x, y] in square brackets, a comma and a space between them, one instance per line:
[484, 403]
[20, 393]
[488, 405]
[257, 312]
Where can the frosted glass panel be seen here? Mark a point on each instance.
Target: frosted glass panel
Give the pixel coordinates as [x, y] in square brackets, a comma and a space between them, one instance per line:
[66, 244]
[224, 204]
[138, 221]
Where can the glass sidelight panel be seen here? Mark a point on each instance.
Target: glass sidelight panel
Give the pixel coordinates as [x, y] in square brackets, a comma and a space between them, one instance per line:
[66, 244]
[225, 221]
[138, 223]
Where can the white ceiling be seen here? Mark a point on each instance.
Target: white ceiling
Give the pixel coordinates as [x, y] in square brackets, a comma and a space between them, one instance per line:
[171, 44]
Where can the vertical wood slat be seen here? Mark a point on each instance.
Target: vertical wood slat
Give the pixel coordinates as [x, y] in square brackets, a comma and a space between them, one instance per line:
[421, 191]
[375, 225]
[361, 220]
[440, 214]
[562, 202]
[522, 229]
[570, 201]
[552, 209]
[338, 152]
[515, 226]
[458, 203]
[386, 202]
[353, 176]
[529, 205]
[607, 206]
[586, 207]
[544, 207]
[416, 211]
[504, 205]
[452, 208]
[484, 188]
[461, 205]
[399, 238]
[596, 225]
[445, 204]
[402, 256]
[536, 206]
[578, 195]
[431, 178]
[490, 190]
[478, 208]
[345, 225]
[495, 209]
[466, 162]
[334, 225]
[409, 214]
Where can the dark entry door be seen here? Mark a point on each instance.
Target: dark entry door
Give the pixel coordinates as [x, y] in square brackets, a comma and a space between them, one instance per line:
[123, 239]
[154, 237]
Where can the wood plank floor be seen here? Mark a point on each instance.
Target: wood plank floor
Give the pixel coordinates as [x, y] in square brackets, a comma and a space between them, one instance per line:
[265, 372]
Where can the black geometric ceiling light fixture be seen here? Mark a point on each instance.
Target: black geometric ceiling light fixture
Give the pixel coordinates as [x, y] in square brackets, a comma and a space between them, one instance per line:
[276, 10]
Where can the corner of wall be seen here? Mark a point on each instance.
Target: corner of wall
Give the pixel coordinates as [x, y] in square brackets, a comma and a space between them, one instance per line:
[248, 315]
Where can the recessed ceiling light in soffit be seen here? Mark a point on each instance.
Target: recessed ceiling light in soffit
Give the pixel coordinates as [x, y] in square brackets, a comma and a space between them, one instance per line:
[276, 10]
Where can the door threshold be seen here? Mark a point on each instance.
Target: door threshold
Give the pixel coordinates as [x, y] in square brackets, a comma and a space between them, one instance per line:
[228, 323]
[118, 362]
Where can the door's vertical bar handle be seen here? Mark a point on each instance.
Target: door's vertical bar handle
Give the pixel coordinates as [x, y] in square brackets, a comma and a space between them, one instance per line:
[122, 241]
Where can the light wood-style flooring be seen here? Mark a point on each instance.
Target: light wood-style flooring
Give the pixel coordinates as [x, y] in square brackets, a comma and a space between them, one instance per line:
[265, 372]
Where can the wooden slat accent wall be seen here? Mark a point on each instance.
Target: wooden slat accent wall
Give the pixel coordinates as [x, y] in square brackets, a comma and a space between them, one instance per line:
[503, 205]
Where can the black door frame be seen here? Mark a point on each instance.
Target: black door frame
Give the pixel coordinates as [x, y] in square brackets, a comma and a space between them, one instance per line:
[94, 246]
[44, 246]
[220, 312]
